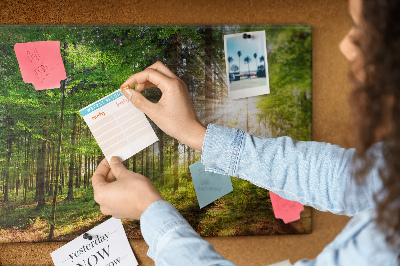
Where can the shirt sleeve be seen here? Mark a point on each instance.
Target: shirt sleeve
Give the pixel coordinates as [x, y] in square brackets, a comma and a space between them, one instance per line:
[313, 173]
[172, 241]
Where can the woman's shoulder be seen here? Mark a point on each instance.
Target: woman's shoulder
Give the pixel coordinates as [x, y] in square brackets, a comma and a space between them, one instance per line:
[361, 240]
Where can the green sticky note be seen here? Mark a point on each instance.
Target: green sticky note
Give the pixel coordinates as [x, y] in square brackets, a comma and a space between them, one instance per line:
[209, 186]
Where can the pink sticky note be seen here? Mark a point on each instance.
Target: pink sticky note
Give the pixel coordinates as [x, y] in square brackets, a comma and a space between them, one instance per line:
[284, 209]
[41, 63]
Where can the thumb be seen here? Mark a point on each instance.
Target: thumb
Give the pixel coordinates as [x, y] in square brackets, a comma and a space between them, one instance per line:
[99, 176]
[117, 168]
[138, 100]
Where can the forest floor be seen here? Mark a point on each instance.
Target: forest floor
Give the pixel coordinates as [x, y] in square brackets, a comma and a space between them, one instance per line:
[24, 222]
[245, 211]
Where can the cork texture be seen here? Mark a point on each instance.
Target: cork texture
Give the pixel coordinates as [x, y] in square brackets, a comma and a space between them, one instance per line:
[330, 22]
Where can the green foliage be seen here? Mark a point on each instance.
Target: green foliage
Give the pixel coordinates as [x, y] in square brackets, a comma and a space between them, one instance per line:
[241, 212]
[287, 109]
[97, 61]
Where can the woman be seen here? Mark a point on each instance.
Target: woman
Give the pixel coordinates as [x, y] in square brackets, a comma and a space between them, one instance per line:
[360, 182]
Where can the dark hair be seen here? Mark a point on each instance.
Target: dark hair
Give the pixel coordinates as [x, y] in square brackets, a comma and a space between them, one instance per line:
[375, 103]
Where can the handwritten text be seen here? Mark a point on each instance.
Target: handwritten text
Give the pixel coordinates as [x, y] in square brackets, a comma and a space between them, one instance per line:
[122, 102]
[100, 114]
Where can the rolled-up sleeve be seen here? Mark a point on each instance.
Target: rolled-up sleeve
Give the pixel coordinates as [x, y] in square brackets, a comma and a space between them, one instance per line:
[172, 241]
[313, 173]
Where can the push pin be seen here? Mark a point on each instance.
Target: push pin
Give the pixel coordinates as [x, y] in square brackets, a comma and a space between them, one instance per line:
[124, 88]
[246, 36]
[87, 236]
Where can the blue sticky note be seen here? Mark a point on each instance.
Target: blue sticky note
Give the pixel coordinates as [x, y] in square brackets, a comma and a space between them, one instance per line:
[209, 186]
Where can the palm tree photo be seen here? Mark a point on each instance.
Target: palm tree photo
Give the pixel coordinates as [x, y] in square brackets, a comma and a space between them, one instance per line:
[247, 60]
[255, 58]
[239, 54]
[230, 60]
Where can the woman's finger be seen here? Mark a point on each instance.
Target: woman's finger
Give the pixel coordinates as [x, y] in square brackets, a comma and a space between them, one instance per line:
[160, 67]
[100, 174]
[110, 177]
[158, 79]
[142, 86]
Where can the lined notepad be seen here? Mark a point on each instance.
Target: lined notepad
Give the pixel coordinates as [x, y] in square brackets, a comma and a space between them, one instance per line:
[118, 126]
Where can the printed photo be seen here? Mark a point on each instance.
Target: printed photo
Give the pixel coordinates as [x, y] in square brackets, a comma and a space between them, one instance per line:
[246, 64]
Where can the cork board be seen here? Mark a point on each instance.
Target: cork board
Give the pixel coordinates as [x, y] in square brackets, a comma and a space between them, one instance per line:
[330, 22]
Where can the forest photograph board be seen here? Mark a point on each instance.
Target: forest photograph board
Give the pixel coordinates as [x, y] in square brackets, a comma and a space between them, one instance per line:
[246, 76]
[48, 153]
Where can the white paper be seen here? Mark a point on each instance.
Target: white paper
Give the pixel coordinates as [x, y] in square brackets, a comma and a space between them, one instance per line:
[282, 263]
[118, 126]
[108, 247]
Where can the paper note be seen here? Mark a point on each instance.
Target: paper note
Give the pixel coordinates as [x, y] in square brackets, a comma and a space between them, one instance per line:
[288, 211]
[108, 246]
[118, 126]
[207, 185]
[41, 63]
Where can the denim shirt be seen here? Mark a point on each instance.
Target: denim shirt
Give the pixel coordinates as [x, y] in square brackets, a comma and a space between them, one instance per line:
[312, 173]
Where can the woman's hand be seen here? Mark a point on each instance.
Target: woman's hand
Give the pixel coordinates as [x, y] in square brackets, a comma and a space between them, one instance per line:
[128, 196]
[174, 113]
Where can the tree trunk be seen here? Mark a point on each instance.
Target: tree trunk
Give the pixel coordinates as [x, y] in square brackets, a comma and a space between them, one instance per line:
[176, 164]
[26, 166]
[141, 170]
[41, 173]
[78, 169]
[184, 159]
[189, 163]
[25, 188]
[147, 162]
[189, 156]
[79, 172]
[100, 157]
[86, 174]
[52, 170]
[134, 163]
[62, 176]
[17, 184]
[41, 160]
[161, 161]
[208, 49]
[2, 179]
[70, 195]
[58, 160]
[92, 164]
[32, 167]
[47, 167]
[170, 159]
[18, 176]
[8, 165]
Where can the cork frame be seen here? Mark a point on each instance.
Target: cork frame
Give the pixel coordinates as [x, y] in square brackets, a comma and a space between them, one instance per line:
[330, 22]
